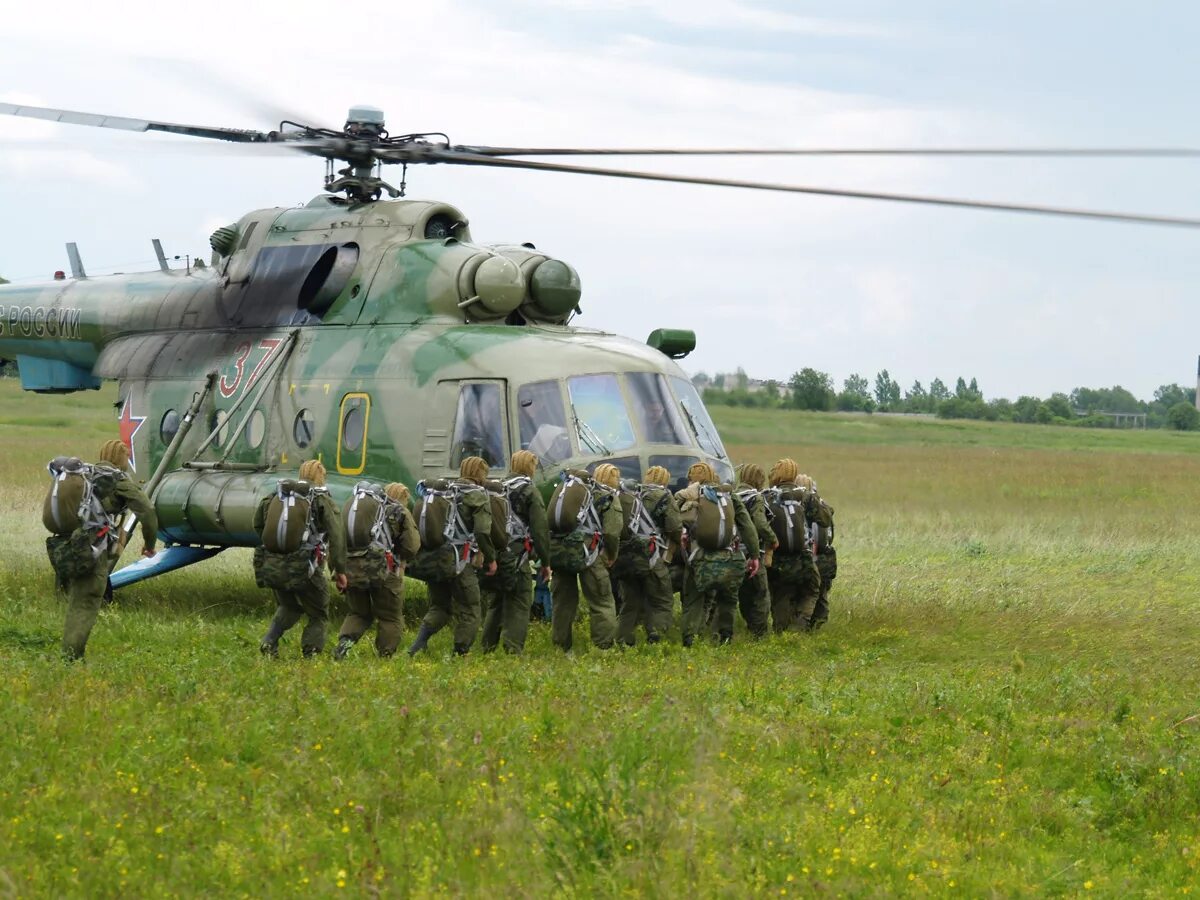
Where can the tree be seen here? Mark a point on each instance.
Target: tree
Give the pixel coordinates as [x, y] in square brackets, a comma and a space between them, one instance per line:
[887, 391]
[1183, 416]
[811, 389]
[1168, 395]
[701, 380]
[938, 391]
[1060, 406]
[917, 399]
[1026, 408]
[855, 395]
[960, 388]
[719, 381]
[771, 392]
[741, 380]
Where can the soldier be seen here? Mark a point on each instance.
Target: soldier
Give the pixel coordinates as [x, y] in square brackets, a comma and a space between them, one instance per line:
[375, 572]
[793, 577]
[826, 556]
[590, 573]
[643, 571]
[509, 592]
[298, 575]
[449, 568]
[84, 556]
[754, 596]
[722, 548]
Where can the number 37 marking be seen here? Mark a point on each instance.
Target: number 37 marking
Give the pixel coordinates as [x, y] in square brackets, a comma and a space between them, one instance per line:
[242, 353]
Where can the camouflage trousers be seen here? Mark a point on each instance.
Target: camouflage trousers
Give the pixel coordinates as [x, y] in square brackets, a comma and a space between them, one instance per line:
[827, 568]
[648, 600]
[795, 585]
[507, 597]
[455, 601]
[84, 598]
[382, 603]
[712, 582]
[311, 600]
[602, 610]
[754, 602]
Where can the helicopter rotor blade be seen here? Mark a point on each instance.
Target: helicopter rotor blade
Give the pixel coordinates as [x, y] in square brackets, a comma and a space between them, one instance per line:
[1068, 152]
[71, 117]
[474, 160]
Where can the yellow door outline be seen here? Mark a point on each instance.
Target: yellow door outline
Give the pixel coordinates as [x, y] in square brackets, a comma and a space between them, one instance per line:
[345, 467]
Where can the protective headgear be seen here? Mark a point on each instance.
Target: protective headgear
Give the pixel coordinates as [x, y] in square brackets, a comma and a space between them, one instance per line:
[805, 482]
[701, 472]
[474, 468]
[608, 475]
[784, 471]
[752, 475]
[313, 471]
[658, 475]
[523, 462]
[398, 492]
[115, 453]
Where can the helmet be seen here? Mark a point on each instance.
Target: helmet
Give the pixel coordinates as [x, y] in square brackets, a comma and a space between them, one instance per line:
[701, 472]
[474, 468]
[115, 453]
[752, 475]
[657, 475]
[313, 471]
[784, 471]
[607, 474]
[398, 492]
[523, 462]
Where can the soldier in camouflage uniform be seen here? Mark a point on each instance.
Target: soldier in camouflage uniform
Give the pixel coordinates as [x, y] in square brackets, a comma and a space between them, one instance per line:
[457, 598]
[85, 593]
[826, 557]
[754, 596]
[309, 597]
[793, 577]
[714, 576]
[648, 595]
[594, 580]
[508, 593]
[375, 588]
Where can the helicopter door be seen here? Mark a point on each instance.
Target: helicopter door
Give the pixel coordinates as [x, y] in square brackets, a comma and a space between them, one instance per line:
[354, 417]
[476, 412]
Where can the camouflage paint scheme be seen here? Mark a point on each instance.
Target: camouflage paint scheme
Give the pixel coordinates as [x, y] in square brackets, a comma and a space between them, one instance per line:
[397, 338]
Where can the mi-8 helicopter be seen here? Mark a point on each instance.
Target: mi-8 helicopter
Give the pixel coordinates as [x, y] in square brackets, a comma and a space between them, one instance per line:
[374, 334]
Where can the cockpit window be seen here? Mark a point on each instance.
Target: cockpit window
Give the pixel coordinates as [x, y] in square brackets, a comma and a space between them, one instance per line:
[543, 421]
[479, 424]
[601, 421]
[656, 414]
[697, 417]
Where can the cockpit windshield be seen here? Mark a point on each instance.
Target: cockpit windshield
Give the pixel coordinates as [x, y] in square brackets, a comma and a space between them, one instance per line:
[656, 414]
[697, 417]
[543, 421]
[601, 423]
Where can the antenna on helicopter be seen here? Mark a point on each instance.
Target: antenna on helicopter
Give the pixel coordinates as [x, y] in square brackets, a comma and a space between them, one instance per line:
[162, 257]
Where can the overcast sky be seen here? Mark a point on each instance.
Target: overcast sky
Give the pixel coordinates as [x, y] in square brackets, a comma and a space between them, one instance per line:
[768, 282]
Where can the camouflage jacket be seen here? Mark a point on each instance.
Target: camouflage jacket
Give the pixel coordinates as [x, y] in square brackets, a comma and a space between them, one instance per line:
[689, 498]
[758, 514]
[664, 510]
[612, 523]
[128, 496]
[327, 518]
[406, 540]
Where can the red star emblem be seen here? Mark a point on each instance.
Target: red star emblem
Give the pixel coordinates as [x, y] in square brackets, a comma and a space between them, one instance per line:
[129, 428]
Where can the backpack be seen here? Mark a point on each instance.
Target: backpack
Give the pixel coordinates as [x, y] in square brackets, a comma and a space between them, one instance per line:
[715, 527]
[642, 544]
[574, 519]
[290, 518]
[788, 519]
[517, 531]
[365, 518]
[76, 495]
[440, 523]
[501, 512]
[822, 529]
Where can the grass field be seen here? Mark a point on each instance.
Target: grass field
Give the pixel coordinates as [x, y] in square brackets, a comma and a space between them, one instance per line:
[1004, 703]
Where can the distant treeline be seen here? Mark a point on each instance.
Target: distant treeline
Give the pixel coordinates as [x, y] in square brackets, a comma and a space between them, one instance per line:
[1173, 406]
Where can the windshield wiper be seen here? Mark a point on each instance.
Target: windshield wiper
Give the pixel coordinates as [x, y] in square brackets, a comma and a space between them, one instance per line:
[587, 435]
[697, 428]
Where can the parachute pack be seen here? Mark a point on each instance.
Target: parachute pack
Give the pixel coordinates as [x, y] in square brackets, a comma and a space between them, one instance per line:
[290, 521]
[366, 519]
[640, 529]
[715, 527]
[440, 521]
[574, 519]
[76, 495]
[788, 518]
[517, 533]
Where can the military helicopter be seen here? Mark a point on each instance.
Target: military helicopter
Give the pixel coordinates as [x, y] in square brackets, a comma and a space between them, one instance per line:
[376, 335]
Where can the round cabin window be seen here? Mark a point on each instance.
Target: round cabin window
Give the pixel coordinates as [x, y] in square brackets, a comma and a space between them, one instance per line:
[352, 428]
[256, 429]
[169, 426]
[304, 428]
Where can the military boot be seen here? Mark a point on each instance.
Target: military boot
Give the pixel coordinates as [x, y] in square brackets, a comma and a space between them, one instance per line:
[422, 641]
[269, 646]
[725, 637]
[343, 648]
[462, 649]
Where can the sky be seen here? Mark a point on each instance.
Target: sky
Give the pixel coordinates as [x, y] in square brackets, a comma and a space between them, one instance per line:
[769, 282]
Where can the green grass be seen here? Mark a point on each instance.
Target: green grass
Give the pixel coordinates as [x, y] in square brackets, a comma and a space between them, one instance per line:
[1003, 704]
